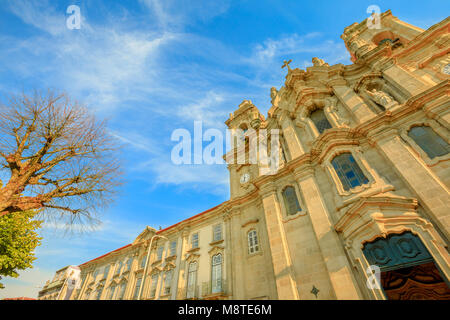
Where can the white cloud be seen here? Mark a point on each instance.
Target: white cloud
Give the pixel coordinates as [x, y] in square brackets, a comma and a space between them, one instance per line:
[206, 109]
[40, 15]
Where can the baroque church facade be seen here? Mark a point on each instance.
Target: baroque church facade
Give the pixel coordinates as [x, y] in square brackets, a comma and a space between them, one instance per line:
[362, 191]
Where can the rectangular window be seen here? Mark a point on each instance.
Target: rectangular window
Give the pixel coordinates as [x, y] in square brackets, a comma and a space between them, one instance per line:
[96, 274]
[118, 267]
[122, 291]
[153, 286]
[173, 248]
[194, 240]
[137, 288]
[99, 293]
[111, 292]
[167, 282]
[143, 260]
[217, 233]
[106, 271]
[129, 262]
[159, 253]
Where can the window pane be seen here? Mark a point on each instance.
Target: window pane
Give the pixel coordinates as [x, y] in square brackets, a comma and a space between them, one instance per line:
[160, 253]
[195, 240]
[173, 248]
[348, 171]
[154, 285]
[217, 232]
[137, 288]
[216, 277]
[192, 279]
[429, 141]
[253, 242]
[320, 120]
[122, 291]
[291, 201]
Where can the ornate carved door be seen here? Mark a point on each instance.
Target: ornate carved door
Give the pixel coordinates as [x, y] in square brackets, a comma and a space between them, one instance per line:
[408, 271]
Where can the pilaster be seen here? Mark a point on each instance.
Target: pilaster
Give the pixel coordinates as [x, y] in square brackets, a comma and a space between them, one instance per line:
[281, 259]
[339, 269]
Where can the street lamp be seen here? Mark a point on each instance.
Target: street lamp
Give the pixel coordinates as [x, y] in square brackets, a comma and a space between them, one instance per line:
[146, 263]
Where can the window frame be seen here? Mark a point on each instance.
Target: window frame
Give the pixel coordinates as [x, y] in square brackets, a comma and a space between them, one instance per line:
[168, 282]
[153, 285]
[137, 287]
[173, 248]
[159, 253]
[285, 204]
[218, 225]
[257, 245]
[322, 110]
[220, 279]
[437, 128]
[112, 291]
[374, 179]
[197, 234]
[188, 280]
[359, 176]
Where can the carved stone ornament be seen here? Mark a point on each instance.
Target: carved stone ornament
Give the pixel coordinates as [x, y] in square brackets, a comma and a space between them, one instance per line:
[380, 97]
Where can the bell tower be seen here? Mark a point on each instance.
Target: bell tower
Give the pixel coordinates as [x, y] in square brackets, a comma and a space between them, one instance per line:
[244, 125]
[377, 32]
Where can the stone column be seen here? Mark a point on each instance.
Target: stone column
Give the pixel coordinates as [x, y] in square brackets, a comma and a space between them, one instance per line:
[228, 256]
[181, 264]
[339, 270]
[290, 136]
[237, 269]
[177, 271]
[432, 193]
[353, 102]
[281, 259]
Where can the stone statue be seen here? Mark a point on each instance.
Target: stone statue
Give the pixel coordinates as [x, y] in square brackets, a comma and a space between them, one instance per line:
[319, 62]
[380, 97]
[273, 93]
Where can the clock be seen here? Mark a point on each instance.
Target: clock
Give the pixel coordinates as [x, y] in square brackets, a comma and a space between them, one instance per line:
[245, 178]
[446, 69]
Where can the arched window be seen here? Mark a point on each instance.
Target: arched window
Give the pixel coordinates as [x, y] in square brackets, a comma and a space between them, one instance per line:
[348, 171]
[216, 277]
[429, 141]
[291, 201]
[253, 243]
[320, 120]
[192, 280]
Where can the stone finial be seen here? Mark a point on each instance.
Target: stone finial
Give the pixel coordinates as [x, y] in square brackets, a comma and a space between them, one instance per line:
[319, 62]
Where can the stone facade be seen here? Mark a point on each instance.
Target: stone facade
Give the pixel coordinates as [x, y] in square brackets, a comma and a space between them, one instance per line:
[399, 80]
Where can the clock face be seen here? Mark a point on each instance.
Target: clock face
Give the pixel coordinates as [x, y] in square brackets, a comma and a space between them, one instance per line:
[245, 178]
[446, 69]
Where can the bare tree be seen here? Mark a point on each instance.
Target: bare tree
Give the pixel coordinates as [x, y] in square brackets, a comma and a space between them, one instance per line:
[55, 156]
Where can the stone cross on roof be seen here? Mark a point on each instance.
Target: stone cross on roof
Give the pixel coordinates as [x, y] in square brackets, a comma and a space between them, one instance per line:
[286, 64]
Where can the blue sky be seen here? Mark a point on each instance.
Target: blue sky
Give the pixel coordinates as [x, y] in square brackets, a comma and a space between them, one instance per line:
[152, 66]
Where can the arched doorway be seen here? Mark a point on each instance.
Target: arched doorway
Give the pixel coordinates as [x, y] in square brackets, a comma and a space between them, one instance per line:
[408, 271]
